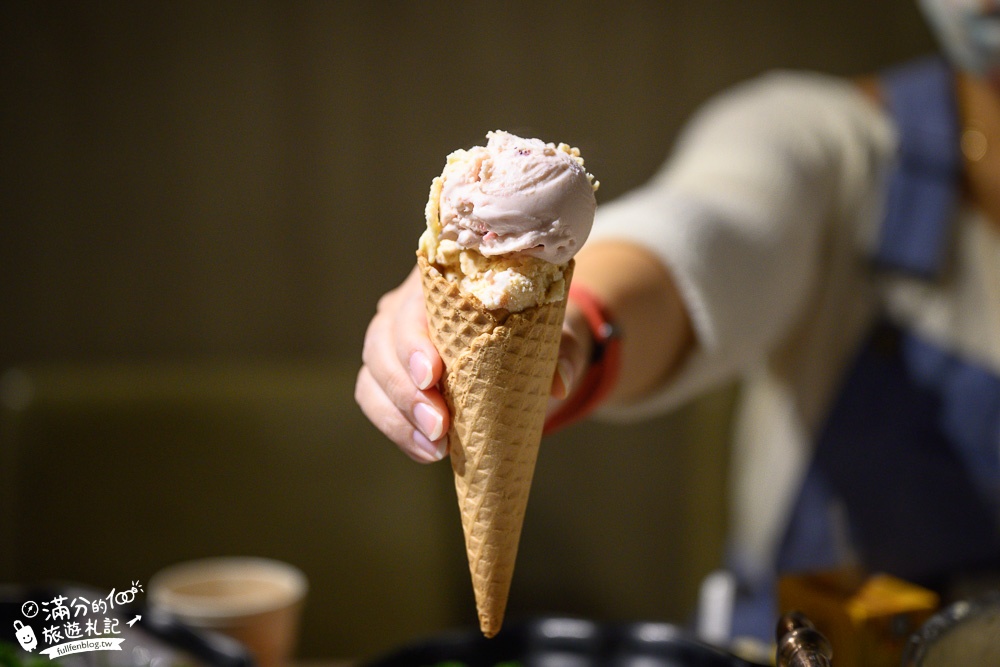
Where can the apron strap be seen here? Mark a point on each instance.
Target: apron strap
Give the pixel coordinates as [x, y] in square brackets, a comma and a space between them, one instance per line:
[922, 194]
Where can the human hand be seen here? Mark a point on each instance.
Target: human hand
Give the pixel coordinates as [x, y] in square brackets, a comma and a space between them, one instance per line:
[397, 384]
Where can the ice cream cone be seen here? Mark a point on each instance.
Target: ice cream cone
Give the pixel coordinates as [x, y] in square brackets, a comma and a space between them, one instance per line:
[498, 376]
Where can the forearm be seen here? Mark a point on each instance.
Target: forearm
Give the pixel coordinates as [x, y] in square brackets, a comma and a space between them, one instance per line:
[656, 332]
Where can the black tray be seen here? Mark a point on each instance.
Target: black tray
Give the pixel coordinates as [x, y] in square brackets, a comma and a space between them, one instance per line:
[565, 642]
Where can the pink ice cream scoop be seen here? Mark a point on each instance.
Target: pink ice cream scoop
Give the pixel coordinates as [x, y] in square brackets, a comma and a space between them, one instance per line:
[517, 196]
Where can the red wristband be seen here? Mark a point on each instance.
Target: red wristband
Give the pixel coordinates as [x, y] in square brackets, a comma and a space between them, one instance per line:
[605, 362]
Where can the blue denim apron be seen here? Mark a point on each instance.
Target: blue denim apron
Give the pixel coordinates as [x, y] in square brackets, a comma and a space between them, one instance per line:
[910, 452]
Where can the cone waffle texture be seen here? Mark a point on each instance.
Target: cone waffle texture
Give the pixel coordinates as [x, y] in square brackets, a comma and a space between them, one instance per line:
[498, 377]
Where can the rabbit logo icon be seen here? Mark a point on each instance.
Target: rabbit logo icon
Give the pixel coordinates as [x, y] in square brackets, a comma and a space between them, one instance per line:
[25, 636]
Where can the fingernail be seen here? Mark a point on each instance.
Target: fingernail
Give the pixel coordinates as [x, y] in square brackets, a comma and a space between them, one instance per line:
[429, 420]
[565, 371]
[420, 370]
[436, 451]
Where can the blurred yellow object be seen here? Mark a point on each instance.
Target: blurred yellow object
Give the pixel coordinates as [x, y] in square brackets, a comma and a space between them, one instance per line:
[866, 618]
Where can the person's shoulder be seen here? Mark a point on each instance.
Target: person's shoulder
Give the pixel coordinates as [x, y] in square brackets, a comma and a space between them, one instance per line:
[806, 99]
[802, 85]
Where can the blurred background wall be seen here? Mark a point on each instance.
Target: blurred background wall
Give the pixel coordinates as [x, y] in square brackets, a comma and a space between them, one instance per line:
[201, 203]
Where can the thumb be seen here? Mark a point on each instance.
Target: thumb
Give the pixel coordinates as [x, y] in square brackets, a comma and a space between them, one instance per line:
[574, 350]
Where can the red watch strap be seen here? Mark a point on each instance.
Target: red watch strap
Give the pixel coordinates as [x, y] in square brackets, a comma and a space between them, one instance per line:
[605, 362]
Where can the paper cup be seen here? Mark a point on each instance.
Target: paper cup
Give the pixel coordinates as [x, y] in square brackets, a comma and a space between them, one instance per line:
[256, 601]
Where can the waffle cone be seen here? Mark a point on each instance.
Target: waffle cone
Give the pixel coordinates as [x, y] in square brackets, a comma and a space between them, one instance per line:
[498, 377]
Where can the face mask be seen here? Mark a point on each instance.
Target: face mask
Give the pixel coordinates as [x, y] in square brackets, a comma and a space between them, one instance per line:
[969, 32]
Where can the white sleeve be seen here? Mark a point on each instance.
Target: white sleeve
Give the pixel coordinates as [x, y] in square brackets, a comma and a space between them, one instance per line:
[739, 215]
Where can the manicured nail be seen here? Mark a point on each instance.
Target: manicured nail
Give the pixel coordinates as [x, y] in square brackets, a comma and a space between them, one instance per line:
[429, 420]
[435, 451]
[565, 371]
[420, 370]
